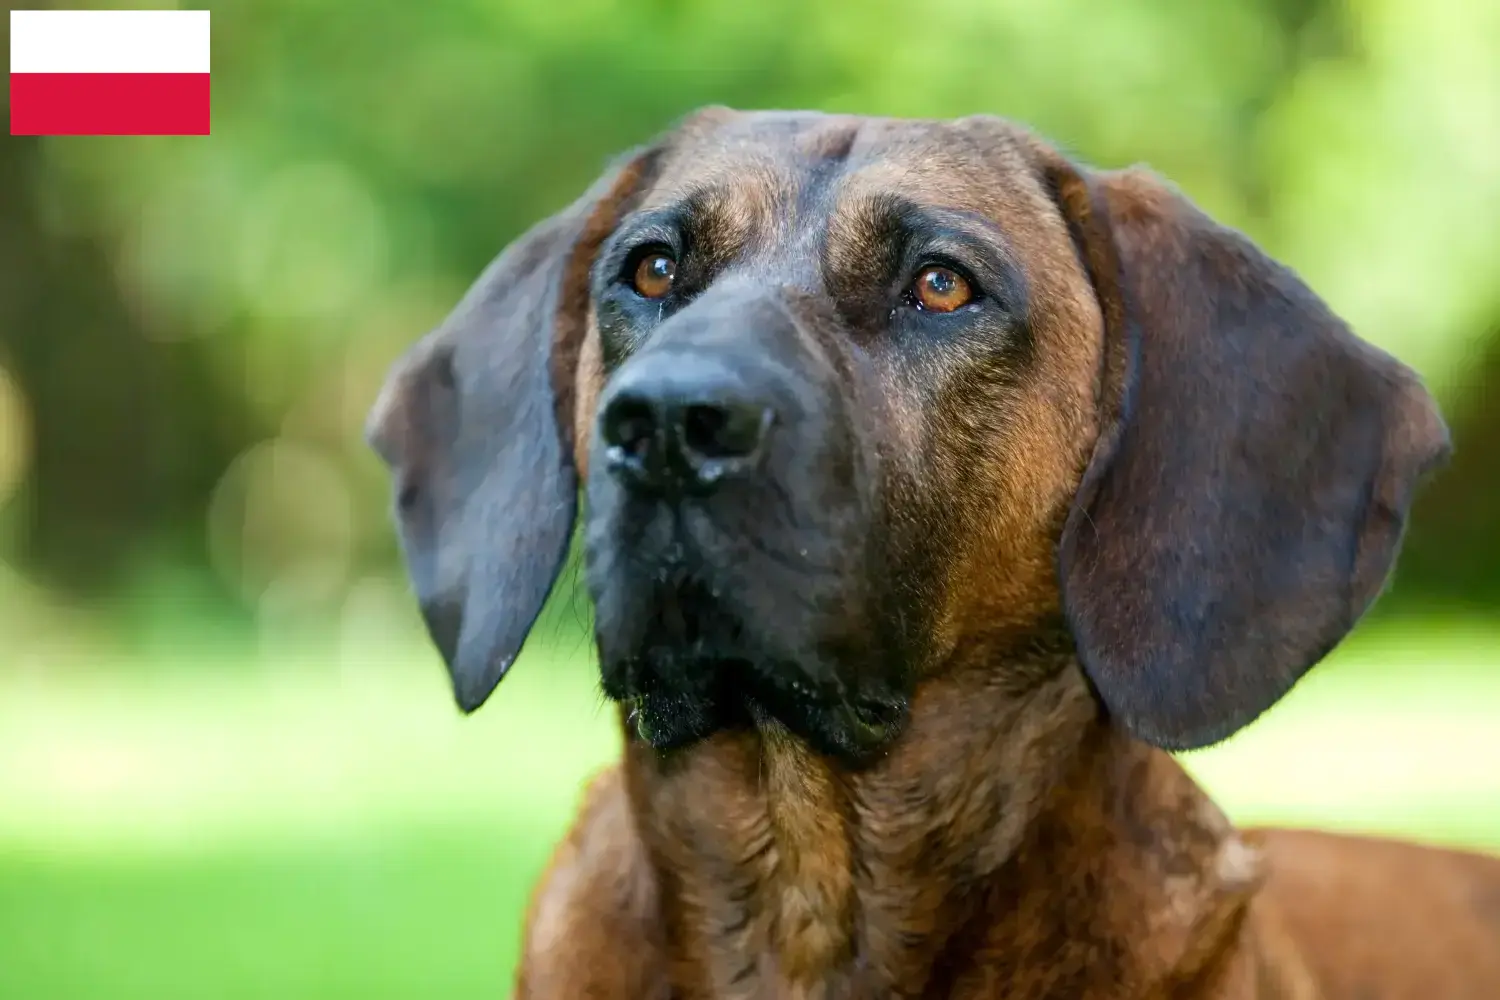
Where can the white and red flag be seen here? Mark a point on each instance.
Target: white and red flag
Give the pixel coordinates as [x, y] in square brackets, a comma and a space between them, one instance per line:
[109, 72]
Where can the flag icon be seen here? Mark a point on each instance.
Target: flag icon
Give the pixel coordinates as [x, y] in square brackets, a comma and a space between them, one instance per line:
[109, 72]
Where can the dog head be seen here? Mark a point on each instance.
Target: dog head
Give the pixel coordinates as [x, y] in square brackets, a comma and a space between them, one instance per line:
[857, 401]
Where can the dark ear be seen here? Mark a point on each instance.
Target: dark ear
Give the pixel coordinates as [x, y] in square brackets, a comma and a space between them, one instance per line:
[475, 422]
[1247, 495]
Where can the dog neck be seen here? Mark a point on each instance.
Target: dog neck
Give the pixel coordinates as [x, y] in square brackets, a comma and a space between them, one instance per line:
[1010, 840]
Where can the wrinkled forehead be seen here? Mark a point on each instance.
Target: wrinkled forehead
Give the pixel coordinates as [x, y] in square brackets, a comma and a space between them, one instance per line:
[780, 172]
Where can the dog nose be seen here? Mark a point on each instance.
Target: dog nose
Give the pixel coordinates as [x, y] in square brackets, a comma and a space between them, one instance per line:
[680, 424]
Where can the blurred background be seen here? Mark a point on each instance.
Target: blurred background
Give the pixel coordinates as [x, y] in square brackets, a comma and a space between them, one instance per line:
[229, 762]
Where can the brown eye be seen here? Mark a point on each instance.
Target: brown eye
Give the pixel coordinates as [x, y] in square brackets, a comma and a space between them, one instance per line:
[654, 274]
[939, 289]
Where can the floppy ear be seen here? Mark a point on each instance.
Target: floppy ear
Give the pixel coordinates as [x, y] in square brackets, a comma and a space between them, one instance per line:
[475, 423]
[1247, 495]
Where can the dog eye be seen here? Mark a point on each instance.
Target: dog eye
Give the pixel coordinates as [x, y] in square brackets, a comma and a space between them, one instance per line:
[940, 289]
[654, 275]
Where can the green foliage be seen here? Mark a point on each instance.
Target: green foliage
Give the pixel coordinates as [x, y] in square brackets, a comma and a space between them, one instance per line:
[197, 325]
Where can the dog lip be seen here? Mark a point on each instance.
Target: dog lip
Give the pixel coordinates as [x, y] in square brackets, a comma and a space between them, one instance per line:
[856, 727]
[858, 730]
[871, 727]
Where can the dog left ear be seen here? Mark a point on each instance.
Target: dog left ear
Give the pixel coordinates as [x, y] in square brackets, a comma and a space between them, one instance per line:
[475, 422]
[1246, 498]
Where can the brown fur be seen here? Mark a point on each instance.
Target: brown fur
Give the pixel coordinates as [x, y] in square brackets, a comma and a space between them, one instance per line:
[1125, 881]
[1020, 837]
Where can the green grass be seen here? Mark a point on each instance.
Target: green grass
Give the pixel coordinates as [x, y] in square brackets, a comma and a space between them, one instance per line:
[321, 823]
[396, 915]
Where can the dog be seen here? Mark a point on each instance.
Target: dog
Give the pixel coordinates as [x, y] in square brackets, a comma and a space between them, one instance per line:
[936, 487]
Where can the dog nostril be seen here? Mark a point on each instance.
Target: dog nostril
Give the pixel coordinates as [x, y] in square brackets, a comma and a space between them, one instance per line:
[702, 428]
[734, 431]
[630, 424]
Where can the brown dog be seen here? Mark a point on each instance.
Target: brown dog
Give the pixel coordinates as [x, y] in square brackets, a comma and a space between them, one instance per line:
[936, 486]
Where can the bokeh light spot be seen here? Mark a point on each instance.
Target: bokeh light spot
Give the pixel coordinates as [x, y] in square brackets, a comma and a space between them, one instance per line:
[313, 241]
[280, 521]
[15, 435]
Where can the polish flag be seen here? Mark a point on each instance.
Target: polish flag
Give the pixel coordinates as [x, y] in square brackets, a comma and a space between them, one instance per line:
[109, 72]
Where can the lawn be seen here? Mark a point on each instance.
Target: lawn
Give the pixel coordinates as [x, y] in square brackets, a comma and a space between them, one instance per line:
[323, 824]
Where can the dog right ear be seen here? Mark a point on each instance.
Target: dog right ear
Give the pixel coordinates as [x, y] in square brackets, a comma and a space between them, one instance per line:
[475, 423]
[1247, 496]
